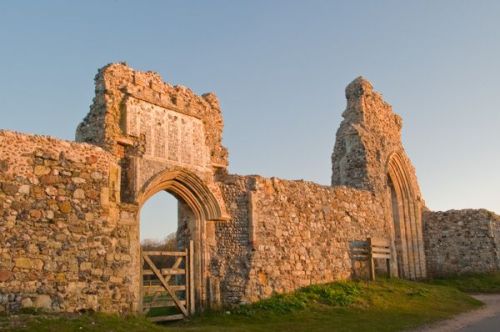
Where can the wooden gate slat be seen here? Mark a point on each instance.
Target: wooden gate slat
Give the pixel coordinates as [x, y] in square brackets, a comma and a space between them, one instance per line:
[159, 288]
[166, 318]
[165, 253]
[165, 284]
[166, 303]
[190, 280]
[165, 272]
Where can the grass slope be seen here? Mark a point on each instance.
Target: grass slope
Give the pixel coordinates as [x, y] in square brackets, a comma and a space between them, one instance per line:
[472, 283]
[385, 305]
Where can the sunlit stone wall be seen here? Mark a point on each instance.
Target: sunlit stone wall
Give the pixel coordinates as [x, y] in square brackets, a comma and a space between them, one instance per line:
[462, 241]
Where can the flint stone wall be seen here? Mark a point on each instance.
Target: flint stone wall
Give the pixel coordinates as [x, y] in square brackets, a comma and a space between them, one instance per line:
[152, 126]
[287, 234]
[368, 154]
[69, 227]
[61, 247]
[461, 241]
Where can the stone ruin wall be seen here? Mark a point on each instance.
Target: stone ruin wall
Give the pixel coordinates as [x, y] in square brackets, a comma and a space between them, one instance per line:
[369, 134]
[62, 246]
[150, 126]
[461, 241]
[70, 212]
[153, 128]
[369, 155]
[288, 234]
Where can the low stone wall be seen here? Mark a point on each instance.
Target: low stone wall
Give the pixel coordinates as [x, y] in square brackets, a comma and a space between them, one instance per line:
[61, 248]
[287, 234]
[461, 241]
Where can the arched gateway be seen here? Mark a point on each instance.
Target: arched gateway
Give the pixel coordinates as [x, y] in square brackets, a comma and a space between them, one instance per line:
[165, 138]
[190, 190]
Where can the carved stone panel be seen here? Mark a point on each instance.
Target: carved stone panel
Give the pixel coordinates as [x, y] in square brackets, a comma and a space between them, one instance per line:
[171, 137]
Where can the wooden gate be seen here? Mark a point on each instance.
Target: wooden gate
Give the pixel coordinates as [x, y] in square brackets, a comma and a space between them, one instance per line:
[167, 284]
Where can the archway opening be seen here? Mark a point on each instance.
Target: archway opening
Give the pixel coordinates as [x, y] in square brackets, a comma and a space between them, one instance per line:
[406, 215]
[398, 240]
[166, 228]
[197, 207]
[159, 222]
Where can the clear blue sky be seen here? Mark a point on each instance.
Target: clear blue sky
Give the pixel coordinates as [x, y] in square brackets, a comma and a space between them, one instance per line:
[279, 69]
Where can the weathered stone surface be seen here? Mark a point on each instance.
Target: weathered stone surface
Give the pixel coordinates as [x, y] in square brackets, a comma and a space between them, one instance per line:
[461, 241]
[41, 170]
[79, 194]
[28, 263]
[369, 155]
[4, 165]
[37, 215]
[69, 211]
[43, 302]
[24, 189]
[9, 188]
[5, 275]
[26, 303]
[297, 233]
[65, 207]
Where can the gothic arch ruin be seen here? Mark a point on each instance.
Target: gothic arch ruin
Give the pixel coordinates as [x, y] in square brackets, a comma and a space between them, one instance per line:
[189, 187]
[406, 216]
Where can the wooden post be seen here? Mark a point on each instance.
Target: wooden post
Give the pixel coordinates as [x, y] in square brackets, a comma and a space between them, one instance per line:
[378, 249]
[186, 280]
[371, 261]
[191, 277]
[141, 284]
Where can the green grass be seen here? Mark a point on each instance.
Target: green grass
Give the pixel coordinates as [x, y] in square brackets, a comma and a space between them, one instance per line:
[472, 283]
[384, 305]
[94, 322]
[346, 306]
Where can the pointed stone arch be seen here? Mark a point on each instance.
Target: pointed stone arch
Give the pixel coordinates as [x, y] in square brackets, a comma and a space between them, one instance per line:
[196, 194]
[190, 188]
[407, 218]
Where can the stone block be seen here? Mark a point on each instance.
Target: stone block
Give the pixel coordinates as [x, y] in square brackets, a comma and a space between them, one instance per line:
[43, 302]
[26, 303]
[41, 170]
[4, 165]
[79, 194]
[65, 207]
[78, 180]
[51, 191]
[105, 197]
[28, 263]
[9, 189]
[24, 189]
[97, 176]
[49, 179]
[5, 275]
[85, 266]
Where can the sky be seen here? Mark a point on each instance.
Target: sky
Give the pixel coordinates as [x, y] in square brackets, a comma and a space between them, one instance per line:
[279, 69]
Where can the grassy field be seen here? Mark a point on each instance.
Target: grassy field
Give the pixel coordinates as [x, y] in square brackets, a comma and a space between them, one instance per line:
[385, 305]
[472, 283]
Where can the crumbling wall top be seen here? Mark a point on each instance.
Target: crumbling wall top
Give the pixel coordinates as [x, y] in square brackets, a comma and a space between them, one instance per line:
[366, 139]
[115, 84]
